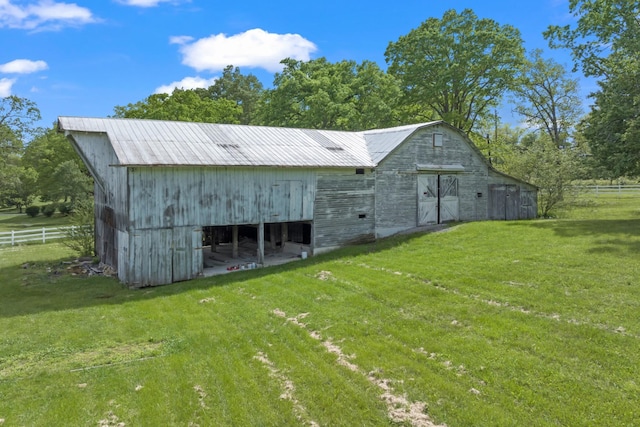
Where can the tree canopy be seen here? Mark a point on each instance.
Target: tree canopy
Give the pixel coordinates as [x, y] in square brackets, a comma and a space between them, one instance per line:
[548, 98]
[460, 65]
[245, 90]
[606, 44]
[340, 96]
[182, 105]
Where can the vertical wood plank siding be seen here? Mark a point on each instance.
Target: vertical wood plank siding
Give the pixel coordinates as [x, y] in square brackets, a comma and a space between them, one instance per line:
[344, 208]
[110, 201]
[199, 196]
[511, 199]
[396, 179]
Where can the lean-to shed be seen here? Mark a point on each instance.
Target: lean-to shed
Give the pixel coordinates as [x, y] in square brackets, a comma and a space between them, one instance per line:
[164, 189]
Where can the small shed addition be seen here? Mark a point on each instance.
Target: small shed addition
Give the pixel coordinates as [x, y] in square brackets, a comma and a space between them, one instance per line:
[166, 190]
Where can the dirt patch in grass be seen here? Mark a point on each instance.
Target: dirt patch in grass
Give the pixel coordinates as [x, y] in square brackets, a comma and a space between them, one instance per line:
[288, 388]
[399, 408]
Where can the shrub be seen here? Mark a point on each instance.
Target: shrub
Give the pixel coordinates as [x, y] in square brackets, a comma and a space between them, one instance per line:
[49, 210]
[65, 208]
[32, 211]
[80, 235]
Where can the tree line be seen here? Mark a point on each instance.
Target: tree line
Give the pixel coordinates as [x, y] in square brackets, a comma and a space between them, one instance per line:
[459, 68]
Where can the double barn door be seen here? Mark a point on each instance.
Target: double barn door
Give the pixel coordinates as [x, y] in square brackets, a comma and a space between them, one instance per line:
[438, 200]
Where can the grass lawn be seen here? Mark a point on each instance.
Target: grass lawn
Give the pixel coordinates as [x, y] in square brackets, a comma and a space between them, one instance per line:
[531, 323]
[12, 220]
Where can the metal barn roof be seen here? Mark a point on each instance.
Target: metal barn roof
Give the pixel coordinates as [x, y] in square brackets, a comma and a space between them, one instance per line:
[165, 143]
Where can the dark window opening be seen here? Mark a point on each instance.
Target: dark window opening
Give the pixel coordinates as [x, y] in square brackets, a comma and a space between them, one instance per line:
[479, 195]
[359, 171]
[362, 216]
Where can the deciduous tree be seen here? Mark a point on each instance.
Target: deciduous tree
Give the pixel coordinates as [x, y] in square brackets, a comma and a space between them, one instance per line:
[548, 99]
[323, 95]
[245, 90]
[182, 105]
[605, 43]
[460, 66]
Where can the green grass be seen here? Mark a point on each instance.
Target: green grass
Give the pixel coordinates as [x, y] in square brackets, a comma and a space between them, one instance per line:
[18, 221]
[487, 324]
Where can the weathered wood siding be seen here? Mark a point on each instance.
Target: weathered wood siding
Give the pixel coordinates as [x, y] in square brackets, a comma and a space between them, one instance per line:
[511, 199]
[396, 179]
[344, 209]
[198, 196]
[110, 198]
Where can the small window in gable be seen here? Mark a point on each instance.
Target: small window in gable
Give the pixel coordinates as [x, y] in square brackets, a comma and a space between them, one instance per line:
[437, 139]
[359, 171]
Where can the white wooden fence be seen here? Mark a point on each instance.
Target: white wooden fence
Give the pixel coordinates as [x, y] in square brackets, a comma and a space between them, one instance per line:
[40, 235]
[632, 189]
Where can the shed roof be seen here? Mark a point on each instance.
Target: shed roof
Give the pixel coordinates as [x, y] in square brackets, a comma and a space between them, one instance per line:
[165, 143]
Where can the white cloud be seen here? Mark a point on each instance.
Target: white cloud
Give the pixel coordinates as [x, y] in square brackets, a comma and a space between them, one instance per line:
[144, 3]
[254, 48]
[5, 87]
[186, 83]
[23, 66]
[43, 15]
[180, 39]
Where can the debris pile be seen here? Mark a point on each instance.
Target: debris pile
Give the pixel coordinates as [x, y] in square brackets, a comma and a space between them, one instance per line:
[84, 267]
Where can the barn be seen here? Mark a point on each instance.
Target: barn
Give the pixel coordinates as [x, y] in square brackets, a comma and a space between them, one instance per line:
[166, 191]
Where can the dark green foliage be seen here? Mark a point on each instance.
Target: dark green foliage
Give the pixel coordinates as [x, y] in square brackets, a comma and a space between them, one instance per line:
[49, 210]
[32, 211]
[319, 94]
[65, 208]
[460, 66]
[245, 90]
[605, 43]
[182, 105]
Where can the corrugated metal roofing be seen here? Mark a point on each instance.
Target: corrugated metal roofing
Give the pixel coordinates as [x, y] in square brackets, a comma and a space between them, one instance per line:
[164, 143]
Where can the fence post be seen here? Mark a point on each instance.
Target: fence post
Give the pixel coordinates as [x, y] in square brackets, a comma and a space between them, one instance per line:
[44, 234]
[13, 237]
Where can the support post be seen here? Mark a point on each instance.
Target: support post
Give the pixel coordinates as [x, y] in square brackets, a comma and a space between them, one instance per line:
[284, 234]
[234, 238]
[272, 235]
[261, 243]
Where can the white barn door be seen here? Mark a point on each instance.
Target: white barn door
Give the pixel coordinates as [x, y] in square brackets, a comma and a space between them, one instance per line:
[427, 199]
[438, 200]
[449, 202]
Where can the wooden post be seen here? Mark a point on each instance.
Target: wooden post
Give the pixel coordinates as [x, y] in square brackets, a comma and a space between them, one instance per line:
[234, 238]
[284, 234]
[261, 243]
[272, 235]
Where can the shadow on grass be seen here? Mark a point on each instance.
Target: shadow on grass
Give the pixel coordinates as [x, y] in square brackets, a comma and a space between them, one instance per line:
[612, 235]
[47, 286]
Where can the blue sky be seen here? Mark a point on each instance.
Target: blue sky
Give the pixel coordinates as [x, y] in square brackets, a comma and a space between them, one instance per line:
[83, 58]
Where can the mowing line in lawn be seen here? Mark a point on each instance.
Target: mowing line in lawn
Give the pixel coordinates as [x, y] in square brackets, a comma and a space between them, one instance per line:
[399, 408]
[287, 385]
[620, 330]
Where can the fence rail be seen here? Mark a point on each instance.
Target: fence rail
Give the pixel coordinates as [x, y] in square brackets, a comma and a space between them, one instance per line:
[613, 189]
[41, 235]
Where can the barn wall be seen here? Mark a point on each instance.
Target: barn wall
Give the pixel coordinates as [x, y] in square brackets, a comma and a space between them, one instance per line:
[510, 198]
[344, 210]
[396, 186]
[110, 197]
[197, 196]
